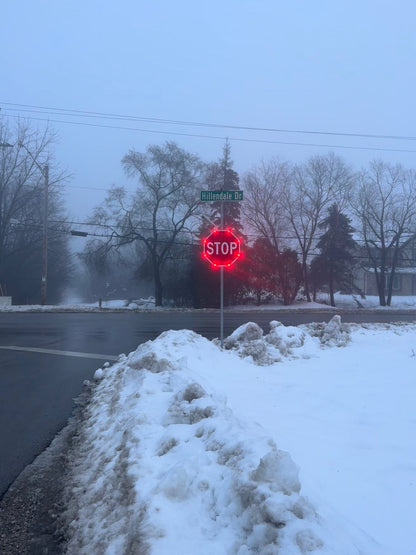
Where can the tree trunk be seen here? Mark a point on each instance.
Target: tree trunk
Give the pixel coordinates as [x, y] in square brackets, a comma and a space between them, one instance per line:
[381, 285]
[331, 293]
[305, 280]
[331, 289]
[392, 273]
[390, 287]
[158, 293]
[158, 284]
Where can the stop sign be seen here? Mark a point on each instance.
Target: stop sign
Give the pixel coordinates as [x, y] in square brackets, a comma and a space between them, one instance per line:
[221, 247]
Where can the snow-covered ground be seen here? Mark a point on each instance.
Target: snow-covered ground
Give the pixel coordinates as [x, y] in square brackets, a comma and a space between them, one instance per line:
[72, 305]
[342, 302]
[298, 441]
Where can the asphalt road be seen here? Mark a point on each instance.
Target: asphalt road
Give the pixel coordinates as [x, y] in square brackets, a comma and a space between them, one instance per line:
[37, 388]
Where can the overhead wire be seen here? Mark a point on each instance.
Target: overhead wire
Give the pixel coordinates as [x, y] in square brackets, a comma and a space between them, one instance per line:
[252, 236]
[190, 244]
[106, 115]
[83, 114]
[102, 115]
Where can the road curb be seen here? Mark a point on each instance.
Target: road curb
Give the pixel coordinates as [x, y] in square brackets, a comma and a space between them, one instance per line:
[31, 510]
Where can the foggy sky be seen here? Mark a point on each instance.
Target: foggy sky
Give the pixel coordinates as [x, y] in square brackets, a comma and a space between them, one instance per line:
[335, 66]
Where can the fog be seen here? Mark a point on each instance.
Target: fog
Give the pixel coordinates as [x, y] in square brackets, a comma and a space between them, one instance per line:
[345, 68]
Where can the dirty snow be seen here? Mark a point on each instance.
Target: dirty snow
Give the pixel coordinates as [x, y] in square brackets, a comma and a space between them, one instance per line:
[303, 445]
[343, 302]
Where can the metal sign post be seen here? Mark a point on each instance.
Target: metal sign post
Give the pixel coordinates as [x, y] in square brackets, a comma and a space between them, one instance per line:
[222, 287]
[222, 249]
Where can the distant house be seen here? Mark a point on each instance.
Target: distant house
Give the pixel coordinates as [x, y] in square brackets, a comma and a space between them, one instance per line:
[404, 280]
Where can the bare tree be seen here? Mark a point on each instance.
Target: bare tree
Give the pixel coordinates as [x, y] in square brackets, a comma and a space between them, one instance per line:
[263, 207]
[23, 151]
[313, 187]
[265, 214]
[107, 271]
[385, 205]
[158, 214]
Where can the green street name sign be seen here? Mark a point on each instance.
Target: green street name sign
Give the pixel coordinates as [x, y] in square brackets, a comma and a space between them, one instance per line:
[221, 195]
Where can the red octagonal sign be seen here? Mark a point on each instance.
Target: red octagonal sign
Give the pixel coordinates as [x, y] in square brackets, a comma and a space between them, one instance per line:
[221, 247]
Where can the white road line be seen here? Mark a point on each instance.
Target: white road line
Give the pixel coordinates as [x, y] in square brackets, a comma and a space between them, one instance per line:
[56, 352]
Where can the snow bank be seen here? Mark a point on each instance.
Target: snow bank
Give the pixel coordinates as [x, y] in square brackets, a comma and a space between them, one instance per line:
[146, 303]
[343, 302]
[163, 466]
[331, 334]
[286, 342]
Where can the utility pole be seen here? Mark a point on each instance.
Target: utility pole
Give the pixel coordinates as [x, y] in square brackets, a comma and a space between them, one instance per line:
[43, 285]
[44, 170]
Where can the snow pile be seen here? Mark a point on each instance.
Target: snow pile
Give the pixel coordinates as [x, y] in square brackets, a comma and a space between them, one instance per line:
[331, 334]
[132, 304]
[286, 342]
[148, 302]
[162, 464]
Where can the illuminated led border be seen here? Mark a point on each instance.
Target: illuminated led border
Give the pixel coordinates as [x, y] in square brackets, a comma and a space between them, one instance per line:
[215, 231]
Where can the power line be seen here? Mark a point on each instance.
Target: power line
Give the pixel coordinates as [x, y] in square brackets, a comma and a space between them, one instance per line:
[191, 243]
[163, 230]
[105, 115]
[88, 188]
[238, 139]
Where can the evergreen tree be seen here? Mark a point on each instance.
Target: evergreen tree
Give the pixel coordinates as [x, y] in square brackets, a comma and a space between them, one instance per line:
[204, 279]
[334, 263]
[221, 176]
